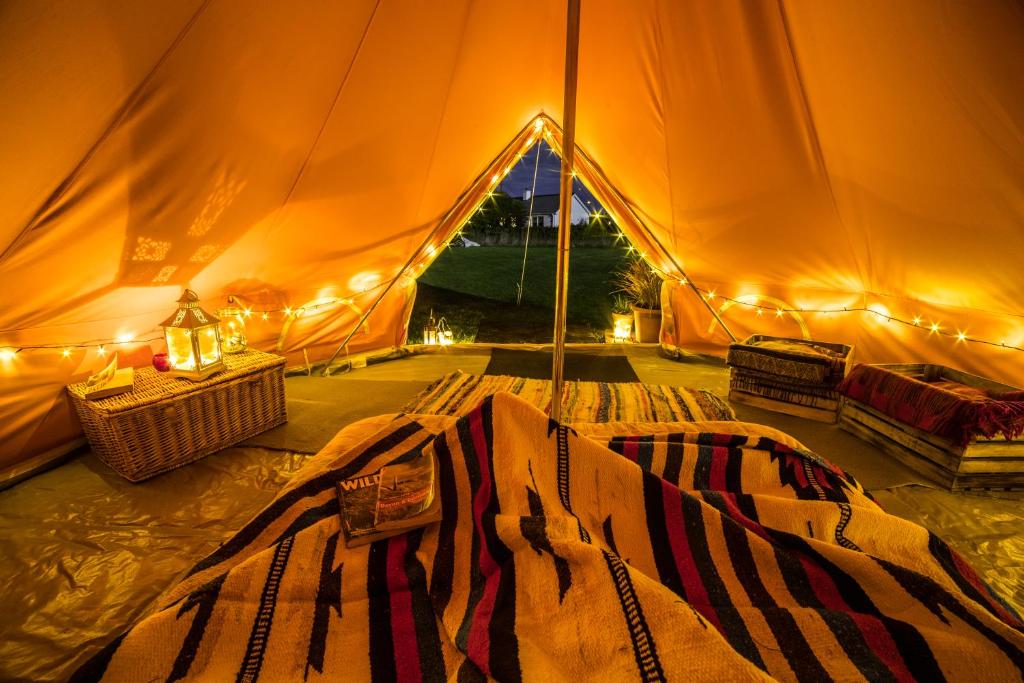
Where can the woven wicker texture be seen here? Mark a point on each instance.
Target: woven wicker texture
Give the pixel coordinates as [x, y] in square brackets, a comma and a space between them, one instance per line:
[167, 422]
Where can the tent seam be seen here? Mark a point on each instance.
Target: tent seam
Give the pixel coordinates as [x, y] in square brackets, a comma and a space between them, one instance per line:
[819, 152]
[444, 108]
[664, 125]
[330, 112]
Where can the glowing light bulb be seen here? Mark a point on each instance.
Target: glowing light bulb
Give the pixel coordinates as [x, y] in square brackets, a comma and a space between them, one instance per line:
[682, 280]
[961, 336]
[760, 311]
[287, 311]
[101, 351]
[711, 294]
[538, 124]
[247, 313]
[778, 312]
[917, 321]
[7, 354]
[495, 178]
[265, 316]
[935, 327]
[66, 353]
[124, 338]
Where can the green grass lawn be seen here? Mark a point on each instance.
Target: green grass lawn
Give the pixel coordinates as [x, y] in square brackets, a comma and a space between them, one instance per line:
[475, 289]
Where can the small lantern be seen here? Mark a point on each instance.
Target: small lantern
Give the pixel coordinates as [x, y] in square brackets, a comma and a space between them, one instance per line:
[232, 327]
[430, 330]
[444, 333]
[193, 340]
[623, 327]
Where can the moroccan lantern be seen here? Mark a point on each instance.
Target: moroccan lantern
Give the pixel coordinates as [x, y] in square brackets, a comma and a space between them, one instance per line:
[193, 340]
[430, 330]
[232, 327]
[444, 333]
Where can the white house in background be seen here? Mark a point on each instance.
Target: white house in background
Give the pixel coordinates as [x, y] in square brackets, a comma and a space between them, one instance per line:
[545, 210]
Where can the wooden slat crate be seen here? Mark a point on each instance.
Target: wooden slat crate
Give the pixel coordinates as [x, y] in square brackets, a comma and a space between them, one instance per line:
[983, 463]
[794, 383]
[167, 422]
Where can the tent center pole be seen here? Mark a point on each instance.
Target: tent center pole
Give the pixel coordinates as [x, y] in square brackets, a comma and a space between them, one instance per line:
[572, 45]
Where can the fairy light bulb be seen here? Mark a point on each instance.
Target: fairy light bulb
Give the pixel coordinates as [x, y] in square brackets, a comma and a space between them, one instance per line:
[778, 312]
[917, 321]
[961, 336]
[265, 316]
[760, 311]
[711, 294]
[247, 313]
[538, 124]
[66, 353]
[8, 354]
[287, 311]
[935, 327]
[101, 351]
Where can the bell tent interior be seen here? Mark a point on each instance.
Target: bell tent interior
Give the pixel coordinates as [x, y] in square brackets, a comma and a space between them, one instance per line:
[831, 197]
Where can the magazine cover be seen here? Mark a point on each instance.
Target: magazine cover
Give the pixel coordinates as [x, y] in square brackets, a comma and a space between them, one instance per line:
[393, 500]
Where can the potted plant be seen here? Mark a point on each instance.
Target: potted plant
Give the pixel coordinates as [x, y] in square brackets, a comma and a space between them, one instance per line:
[622, 318]
[641, 286]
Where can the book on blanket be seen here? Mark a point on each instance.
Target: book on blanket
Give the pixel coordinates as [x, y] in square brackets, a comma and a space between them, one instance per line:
[397, 498]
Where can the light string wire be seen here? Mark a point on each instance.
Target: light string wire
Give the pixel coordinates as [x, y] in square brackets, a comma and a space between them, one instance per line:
[101, 345]
[917, 322]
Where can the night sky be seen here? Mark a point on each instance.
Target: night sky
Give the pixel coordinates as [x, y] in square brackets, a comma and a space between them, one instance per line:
[521, 176]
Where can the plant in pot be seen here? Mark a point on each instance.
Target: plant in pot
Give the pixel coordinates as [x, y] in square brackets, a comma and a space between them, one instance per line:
[622, 318]
[641, 286]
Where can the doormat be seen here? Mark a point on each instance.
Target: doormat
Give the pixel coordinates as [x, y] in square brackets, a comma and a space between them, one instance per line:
[579, 366]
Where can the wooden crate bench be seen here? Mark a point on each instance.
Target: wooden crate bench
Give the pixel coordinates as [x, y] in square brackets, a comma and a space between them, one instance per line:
[167, 422]
[983, 463]
[792, 376]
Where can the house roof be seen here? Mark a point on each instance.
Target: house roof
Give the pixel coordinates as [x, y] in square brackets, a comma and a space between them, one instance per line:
[544, 204]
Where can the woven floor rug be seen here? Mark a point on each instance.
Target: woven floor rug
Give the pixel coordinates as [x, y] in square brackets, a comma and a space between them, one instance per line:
[458, 393]
[578, 366]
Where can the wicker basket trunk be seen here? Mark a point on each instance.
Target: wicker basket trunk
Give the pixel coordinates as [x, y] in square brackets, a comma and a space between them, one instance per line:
[167, 422]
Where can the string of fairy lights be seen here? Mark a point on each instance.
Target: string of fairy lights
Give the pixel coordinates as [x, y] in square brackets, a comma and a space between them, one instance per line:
[931, 327]
[104, 346]
[711, 296]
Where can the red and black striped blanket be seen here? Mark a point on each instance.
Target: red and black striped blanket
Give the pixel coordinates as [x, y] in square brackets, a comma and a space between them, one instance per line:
[712, 556]
[953, 411]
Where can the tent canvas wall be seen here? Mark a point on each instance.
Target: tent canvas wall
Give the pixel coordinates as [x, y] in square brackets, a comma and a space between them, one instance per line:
[815, 155]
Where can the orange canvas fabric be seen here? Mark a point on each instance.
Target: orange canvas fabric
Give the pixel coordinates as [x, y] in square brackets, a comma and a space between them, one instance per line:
[820, 154]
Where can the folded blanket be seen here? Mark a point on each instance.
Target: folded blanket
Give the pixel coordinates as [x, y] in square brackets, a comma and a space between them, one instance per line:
[458, 393]
[682, 556]
[948, 410]
[796, 361]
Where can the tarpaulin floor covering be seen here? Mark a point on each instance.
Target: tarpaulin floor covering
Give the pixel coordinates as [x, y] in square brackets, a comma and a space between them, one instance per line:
[85, 552]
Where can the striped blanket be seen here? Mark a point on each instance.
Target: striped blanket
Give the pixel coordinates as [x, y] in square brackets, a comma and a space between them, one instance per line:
[681, 555]
[458, 393]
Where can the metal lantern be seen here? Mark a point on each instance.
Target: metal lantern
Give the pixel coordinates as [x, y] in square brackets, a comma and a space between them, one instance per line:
[193, 340]
[444, 333]
[430, 330]
[232, 327]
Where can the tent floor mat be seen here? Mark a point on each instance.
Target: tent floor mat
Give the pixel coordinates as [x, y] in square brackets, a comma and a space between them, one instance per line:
[579, 366]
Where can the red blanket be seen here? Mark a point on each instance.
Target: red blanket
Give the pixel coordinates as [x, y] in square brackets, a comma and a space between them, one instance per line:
[953, 411]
